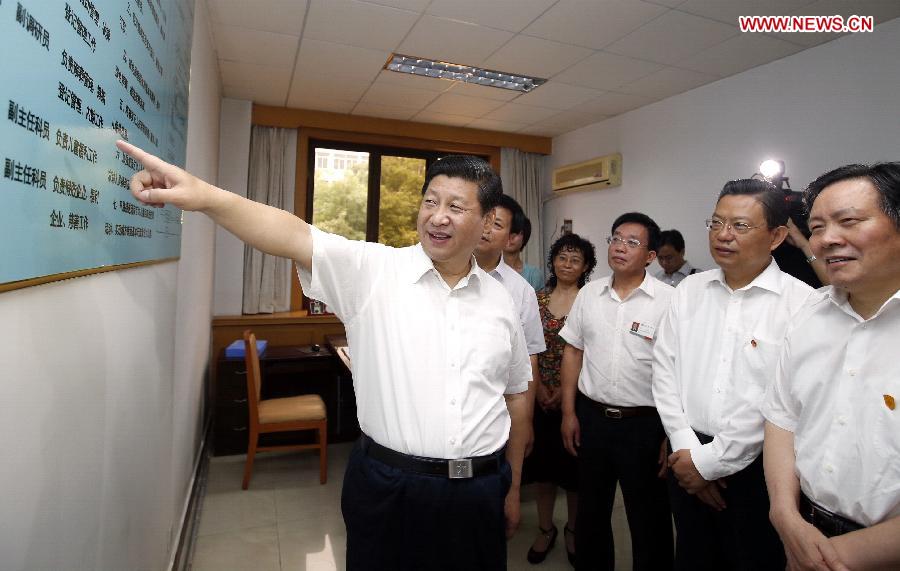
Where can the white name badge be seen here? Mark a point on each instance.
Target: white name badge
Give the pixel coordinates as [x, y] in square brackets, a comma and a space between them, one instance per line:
[644, 330]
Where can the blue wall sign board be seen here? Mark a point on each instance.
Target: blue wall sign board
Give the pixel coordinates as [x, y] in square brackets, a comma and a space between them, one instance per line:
[75, 76]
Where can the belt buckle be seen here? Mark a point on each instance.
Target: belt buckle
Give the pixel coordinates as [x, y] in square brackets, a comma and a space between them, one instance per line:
[461, 468]
[612, 412]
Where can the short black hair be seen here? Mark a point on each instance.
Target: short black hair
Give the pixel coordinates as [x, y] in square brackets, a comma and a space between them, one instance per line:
[572, 242]
[672, 238]
[472, 169]
[526, 231]
[520, 223]
[508, 202]
[773, 200]
[645, 221]
[885, 177]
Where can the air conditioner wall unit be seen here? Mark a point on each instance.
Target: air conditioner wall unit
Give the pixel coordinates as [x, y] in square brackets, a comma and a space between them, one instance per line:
[602, 172]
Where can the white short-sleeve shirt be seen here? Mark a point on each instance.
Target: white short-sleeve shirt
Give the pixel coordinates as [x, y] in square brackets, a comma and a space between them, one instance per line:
[617, 338]
[431, 364]
[525, 300]
[715, 353]
[675, 277]
[837, 388]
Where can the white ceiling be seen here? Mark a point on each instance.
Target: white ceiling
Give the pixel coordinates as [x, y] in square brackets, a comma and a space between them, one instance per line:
[602, 57]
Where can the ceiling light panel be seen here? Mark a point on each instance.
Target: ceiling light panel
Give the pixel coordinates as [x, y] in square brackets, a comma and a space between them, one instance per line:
[465, 73]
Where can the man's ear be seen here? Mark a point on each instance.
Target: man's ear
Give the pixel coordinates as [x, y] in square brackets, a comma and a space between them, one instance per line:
[651, 255]
[778, 236]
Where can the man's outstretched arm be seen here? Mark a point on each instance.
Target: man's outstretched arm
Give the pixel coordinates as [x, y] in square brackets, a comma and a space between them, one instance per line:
[264, 227]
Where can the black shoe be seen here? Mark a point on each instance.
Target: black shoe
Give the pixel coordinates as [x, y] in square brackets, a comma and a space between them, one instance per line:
[571, 554]
[538, 556]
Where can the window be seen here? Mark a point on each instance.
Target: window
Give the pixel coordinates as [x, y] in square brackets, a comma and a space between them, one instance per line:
[341, 196]
[374, 195]
[400, 191]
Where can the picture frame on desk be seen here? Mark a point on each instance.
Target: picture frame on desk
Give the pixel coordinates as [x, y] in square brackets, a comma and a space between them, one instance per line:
[317, 307]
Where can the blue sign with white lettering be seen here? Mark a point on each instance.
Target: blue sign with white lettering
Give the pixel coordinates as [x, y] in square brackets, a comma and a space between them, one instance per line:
[76, 75]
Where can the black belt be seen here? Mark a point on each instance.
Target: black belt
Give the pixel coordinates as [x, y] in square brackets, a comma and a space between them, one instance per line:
[611, 411]
[830, 524]
[457, 468]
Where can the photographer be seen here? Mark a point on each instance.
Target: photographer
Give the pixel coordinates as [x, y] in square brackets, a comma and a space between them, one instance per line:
[794, 256]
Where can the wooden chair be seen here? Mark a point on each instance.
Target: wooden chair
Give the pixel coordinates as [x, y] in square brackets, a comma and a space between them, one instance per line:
[305, 412]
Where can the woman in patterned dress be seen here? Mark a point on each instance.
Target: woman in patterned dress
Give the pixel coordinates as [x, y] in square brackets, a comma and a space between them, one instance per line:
[571, 261]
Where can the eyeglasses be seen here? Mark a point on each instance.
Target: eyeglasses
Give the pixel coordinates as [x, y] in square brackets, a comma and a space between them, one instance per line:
[715, 226]
[630, 242]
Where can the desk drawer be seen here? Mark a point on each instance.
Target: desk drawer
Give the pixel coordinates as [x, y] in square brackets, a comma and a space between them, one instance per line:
[231, 381]
[231, 429]
[231, 433]
[226, 443]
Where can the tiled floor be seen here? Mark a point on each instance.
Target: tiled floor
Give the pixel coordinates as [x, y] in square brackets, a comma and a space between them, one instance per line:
[287, 521]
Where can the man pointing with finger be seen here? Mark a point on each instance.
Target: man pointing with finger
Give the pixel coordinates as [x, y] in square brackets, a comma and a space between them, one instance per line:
[439, 360]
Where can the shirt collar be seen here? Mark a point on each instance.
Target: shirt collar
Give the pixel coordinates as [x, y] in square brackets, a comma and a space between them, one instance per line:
[421, 264]
[841, 299]
[769, 279]
[685, 269]
[647, 286]
[837, 296]
[500, 270]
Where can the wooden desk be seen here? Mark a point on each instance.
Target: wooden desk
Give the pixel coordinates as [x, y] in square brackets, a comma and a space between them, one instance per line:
[338, 345]
[286, 371]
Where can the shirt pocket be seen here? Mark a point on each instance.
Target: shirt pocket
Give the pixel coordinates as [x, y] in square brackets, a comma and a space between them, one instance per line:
[886, 427]
[640, 349]
[489, 349]
[760, 359]
[600, 332]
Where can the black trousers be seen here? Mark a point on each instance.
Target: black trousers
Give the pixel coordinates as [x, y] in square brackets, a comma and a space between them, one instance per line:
[398, 520]
[626, 451]
[739, 538]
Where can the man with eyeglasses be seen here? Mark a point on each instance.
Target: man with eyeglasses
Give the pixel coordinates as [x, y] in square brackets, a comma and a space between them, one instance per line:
[609, 420]
[716, 351]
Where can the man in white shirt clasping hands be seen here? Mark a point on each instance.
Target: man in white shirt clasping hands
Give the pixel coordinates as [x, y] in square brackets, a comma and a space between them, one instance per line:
[715, 353]
[832, 450]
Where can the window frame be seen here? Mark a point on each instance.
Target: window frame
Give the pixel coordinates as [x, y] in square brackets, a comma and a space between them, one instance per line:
[376, 152]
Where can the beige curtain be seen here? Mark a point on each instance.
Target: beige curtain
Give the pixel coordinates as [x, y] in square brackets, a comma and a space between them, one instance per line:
[524, 175]
[273, 156]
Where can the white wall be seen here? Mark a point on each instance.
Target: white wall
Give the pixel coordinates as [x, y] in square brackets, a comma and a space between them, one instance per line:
[234, 166]
[816, 110]
[193, 309]
[101, 383]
